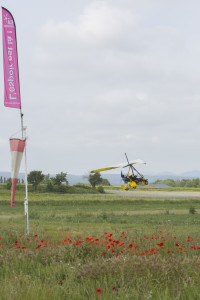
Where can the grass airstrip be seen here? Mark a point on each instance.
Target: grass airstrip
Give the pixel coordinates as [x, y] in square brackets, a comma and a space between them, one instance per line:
[142, 244]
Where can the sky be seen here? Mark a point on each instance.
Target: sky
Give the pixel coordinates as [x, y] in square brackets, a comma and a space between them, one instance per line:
[101, 78]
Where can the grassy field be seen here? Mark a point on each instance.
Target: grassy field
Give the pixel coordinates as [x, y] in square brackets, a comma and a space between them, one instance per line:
[139, 245]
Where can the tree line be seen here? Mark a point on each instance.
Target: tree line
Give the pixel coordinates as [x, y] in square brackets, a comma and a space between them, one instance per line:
[5, 180]
[193, 183]
[58, 183]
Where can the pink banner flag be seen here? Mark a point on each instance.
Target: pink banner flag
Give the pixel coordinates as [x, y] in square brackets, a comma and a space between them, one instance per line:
[17, 149]
[10, 60]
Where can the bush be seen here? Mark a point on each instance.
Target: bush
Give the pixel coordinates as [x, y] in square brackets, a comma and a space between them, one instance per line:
[100, 189]
[8, 184]
[49, 187]
[192, 210]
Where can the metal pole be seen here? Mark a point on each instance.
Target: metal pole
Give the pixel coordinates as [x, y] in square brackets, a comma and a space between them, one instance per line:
[22, 126]
[26, 187]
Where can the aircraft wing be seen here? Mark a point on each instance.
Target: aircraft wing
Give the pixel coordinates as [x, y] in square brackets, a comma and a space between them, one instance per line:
[123, 165]
[103, 169]
[133, 162]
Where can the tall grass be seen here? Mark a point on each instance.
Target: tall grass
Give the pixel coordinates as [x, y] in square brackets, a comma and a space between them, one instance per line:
[72, 257]
[113, 266]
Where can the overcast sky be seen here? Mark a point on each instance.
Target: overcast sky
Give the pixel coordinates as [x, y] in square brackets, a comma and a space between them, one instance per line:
[100, 78]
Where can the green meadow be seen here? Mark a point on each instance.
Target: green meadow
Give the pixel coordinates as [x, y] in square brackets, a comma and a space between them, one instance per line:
[113, 246]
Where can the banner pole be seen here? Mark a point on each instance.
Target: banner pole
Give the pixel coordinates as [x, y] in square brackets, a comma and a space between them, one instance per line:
[22, 126]
[26, 187]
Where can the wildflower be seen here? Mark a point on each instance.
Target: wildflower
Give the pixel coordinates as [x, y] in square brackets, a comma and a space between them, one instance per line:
[35, 235]
[114, 288]
[193, 247]
[59, 282]
[160, 244]
[177, 244]
[98, 290]
[104, 253]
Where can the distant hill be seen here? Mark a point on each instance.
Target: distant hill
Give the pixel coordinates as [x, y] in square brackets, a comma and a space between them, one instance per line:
[115, 179]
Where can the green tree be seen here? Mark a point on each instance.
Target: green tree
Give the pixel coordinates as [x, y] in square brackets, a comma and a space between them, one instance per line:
[60, 178]
[95, 179]
[46, 179]
[195, 182]
[35, 178]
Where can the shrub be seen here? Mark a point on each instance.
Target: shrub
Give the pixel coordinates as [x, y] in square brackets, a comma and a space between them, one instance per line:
[100, 189]
[192, 210]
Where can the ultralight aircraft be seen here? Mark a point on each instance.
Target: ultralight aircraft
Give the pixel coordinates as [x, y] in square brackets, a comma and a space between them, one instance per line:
[132, 178]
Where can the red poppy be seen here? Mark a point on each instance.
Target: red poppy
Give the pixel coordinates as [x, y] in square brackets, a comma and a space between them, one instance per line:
[114, 288]
[98, 290]
[160, 244]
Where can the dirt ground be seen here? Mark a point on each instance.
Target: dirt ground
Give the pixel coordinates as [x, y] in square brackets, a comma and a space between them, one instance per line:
[155, 194]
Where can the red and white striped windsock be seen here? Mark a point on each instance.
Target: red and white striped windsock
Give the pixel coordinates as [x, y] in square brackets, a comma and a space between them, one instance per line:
[17, 149]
